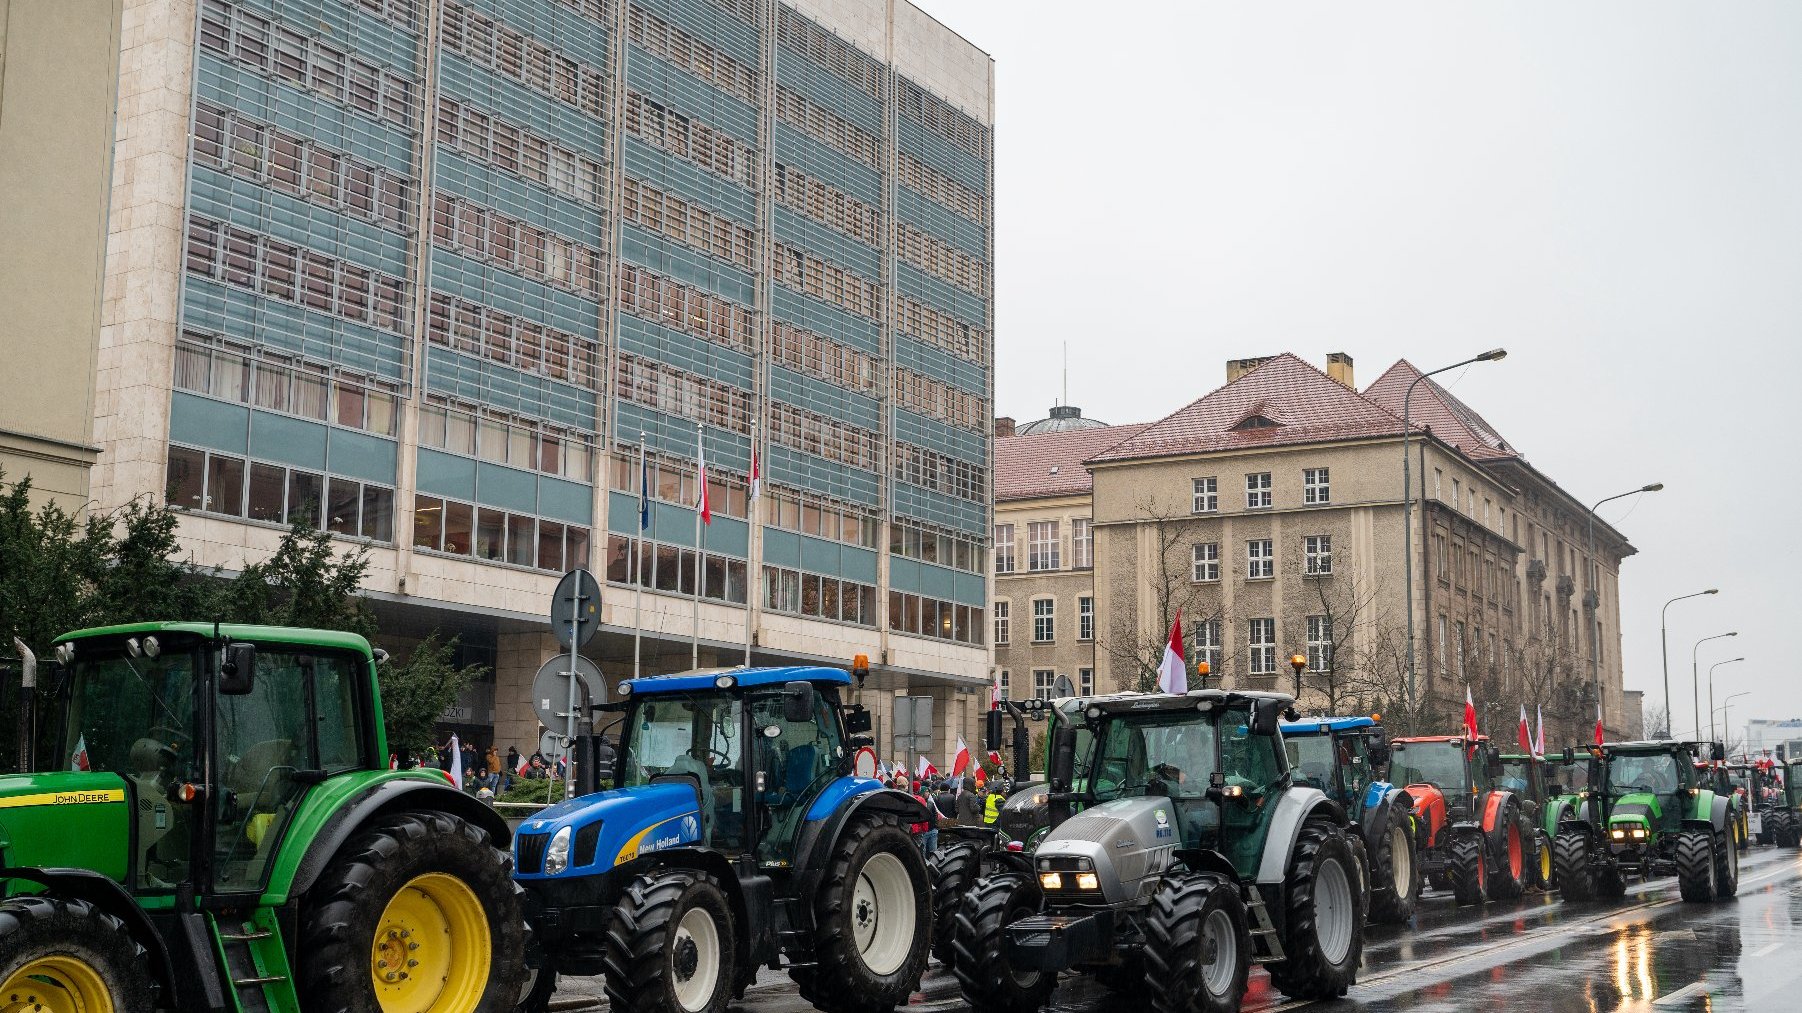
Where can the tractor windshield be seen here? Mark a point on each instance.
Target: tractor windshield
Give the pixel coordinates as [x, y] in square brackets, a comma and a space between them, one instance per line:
[1657, 773]
[689, 733]
[1517, 774]
[1311, 757]
[1164, 754]
[1441, 764]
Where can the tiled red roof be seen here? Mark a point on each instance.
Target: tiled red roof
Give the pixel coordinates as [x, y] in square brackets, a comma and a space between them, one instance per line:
[1432, 405]
[1050, 464]
[1308, 405]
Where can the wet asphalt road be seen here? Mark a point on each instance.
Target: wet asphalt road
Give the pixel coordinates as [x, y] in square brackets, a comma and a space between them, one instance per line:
[1647, 952]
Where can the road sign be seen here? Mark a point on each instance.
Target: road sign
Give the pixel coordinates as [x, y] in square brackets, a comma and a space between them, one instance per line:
[578, 596]
[1063, 687]
[913, 725]
[550, 690]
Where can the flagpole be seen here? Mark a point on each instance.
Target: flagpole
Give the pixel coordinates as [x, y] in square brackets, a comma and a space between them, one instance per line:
[694, 642]
[644, 488]
[749, 536]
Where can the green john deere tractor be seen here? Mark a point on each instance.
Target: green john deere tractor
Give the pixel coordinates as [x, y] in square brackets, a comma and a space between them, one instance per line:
[223, 834]
[1649, 812]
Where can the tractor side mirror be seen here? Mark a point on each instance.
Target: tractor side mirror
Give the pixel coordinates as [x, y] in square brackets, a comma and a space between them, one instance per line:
[1492, 762]
[237, 669]
[1379, 751]
[797, 702]
[1266, 717]
[1569, 756]
[857, 720]
[1063, 758]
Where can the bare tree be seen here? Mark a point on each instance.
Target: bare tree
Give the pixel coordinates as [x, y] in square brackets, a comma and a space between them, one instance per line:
[1657, 720]
[1136, 650]
[1332, 612]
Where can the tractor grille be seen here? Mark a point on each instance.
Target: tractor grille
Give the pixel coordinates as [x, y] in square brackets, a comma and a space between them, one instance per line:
[588, 839]
[531, 853]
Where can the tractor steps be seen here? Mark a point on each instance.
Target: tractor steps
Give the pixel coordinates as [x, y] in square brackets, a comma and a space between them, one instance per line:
[254, 958]
[1266, 941]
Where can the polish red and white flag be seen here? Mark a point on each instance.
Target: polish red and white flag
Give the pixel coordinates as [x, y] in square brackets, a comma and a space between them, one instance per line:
[926, 769]
[1173, 673]
[1526, 740]
[1599, 734]
[701, 504]
[1539, 733]
[1470, 715]
[960, 760]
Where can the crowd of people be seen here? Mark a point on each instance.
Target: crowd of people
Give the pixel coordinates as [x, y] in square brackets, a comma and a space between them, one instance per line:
[486, 773]
[952, 801]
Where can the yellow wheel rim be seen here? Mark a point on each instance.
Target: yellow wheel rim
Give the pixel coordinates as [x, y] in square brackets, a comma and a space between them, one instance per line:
[431, 950]
[1545, 862]
[56, 984]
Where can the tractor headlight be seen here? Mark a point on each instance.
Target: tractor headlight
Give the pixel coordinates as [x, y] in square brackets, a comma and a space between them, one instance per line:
[1051, 880]
[1088, 881]
[1618, 834]
[1639, 833]
[556, 856]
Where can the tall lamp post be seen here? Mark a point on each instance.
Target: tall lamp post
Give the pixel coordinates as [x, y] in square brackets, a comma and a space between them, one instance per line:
[1493, 355]
[1713, 736]
[1593, 598]
[1664, 645]
[1695, 675]
[1727, 705]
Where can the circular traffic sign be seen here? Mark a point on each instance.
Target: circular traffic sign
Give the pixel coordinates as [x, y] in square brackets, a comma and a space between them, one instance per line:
[576, 608]
[863, 763]
[550, 691]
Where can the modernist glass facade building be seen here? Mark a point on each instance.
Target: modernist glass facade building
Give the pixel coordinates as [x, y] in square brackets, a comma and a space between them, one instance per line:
[427, 273]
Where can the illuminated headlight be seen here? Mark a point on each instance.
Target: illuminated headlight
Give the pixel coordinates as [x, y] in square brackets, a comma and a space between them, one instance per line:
[1039, 798]
[1618, 834]
[1087, 881]
[725, 682]
[556, 857]
[1051, 880]
[1639, 833]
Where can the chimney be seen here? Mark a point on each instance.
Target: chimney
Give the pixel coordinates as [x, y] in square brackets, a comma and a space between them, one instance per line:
[1236, 368]
[1339, 367]
[1004, 426]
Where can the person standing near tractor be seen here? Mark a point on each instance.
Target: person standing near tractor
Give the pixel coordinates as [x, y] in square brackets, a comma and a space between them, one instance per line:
[969, 804]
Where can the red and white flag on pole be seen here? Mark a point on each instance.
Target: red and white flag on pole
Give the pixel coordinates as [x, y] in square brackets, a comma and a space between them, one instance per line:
[78, 760]
[1470, 716]
[1539, 733]
[926, 769]
[756, 469]
[1526, 740]
[701, 504]
[1173, 673]
[1599, 735]
[960, 760]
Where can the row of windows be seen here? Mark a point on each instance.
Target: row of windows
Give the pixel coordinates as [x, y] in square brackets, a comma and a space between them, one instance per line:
[225, 484]
[824, 437]
[934, 256]
[912, 172]
[595, 10]
[695, 226]
[828, 127]
[509, 440]
[692, 55]
[1470, 568]
[810, 594]
[525, 345]
[674, 481]
[829, 51]
[941, 329]
[404, 13]
[276, 383]
[1044, 620]
[826, 203]
[282, 271]
[929, 617]
[671, 568]
[930, 469]
[678, 392]
[234, 143]
[1260, 558]
[804, 351]
[941, 118]
[685, 137]
[805, 273]
[504, 49]
[503, 145]
[245, 38]
[1044, 546]
[646, 294]
[466, 529]
[1044, 683]
[513, 244]
[821, 518]
[930, 545]
[941, 401]
[1317, 489]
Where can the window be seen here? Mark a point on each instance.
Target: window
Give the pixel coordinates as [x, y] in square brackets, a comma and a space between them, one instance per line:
[1457, 495]
[1320, 643]
[1004, 548]
[1085, 681]
[1318, 550]
[1205, 496]
[1439, 558]
[1314, 486]
[1004, 685]
[1003, 623]
[1260, 559]
[1085, 618]
[1458, 646]
[1044, 621]
[1082, 543]
[1205, 562]
[1257, 490]
[1442, 642]
[1044, 680]
[1438, 483]
[1207, 643]
[1042, 545]
[1262, 640]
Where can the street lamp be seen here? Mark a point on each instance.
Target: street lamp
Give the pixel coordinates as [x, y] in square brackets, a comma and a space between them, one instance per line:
[1712, 737]
[1727, 705]
[1695, 677]
[1593, 598]
[1493, 355]
[1664, 646]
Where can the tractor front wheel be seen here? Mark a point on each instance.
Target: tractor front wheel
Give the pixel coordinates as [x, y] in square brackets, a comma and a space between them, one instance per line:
[60, 954]
[979, 957]
[1695, 865]
[953, 868]
[1726, 867]
[1570, 865]
[874, 918]
[1197, 945]
[1513, 842]
[1468, 870]
[417, 912]
[1324, 940]
[670, 946]
[1395, 873]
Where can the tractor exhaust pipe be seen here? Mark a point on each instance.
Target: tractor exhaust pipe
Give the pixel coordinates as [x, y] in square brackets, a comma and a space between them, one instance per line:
[28, 682]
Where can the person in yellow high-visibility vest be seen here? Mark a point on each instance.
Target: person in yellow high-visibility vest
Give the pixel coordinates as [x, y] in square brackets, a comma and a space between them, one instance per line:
[991, 806]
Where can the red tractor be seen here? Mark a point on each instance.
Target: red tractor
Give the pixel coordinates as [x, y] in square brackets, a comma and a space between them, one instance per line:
[1474, 838]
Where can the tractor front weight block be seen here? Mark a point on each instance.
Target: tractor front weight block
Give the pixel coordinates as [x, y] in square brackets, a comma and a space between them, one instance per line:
[1060, 942]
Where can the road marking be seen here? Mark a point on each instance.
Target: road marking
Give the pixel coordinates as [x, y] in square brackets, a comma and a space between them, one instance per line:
[1683, 994]
[1767, 951]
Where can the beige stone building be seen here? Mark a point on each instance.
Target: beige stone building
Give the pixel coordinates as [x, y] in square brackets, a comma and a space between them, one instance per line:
[59, 76]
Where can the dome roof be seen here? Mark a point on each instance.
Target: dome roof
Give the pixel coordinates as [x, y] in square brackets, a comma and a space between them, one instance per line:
[1064, 419]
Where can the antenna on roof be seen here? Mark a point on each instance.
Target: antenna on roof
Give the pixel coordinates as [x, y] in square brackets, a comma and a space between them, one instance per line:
[1066, 373]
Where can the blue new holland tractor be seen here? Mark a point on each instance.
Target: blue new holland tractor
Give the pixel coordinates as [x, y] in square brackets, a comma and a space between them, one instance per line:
[1348, 758]
[737, 837]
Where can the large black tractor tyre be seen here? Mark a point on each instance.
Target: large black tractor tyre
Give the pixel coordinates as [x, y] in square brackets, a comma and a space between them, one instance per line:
[1197, 945]
[1610, 884]
[1726, 867]
[1511, 853]
[1570, 865]
[1694, 856]
[951, 870]
[872, 921]
[60, 953]
[418, 908]
[1790, 830]
[1467, 868]
[1394, 871]
[670, 945]
[979, 959]
[1323, 940]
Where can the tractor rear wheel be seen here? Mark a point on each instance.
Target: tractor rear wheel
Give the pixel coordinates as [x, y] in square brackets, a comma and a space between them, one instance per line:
[1695, 865]
[417, 911]
[1513, 842]
[1726, 867]
[1395, 874]
[1324, 938]
[874, 921]
[952, 869]
[64, 954]
[1197, 945]
[670, 945]
[1467, 869]
[1570, 865]
[979, 959]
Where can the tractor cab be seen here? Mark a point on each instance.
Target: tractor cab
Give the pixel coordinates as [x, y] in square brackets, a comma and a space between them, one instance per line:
[1476, 838]
[1643, 783]
[1524, 775]
[1344, 757]
[1451, 773]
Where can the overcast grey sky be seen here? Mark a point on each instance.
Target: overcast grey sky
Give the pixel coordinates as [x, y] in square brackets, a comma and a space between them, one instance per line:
[1613, 191]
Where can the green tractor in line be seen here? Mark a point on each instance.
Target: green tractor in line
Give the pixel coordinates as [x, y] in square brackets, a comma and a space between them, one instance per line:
[1786, 783]
[224, 810]
[1648, 812]
[1525, 775]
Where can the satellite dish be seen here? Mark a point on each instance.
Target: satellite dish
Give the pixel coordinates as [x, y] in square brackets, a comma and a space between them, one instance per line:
[550, 691]
[1062, 687]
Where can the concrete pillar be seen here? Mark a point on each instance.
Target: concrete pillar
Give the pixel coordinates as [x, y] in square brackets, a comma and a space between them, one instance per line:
[517, 658]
